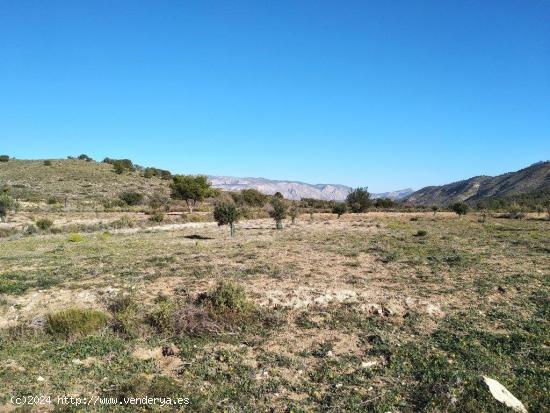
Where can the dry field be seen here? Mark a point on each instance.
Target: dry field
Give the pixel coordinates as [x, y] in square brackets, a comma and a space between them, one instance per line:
[370, 312]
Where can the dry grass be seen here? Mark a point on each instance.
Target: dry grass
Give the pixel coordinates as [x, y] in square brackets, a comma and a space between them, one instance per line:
[352, 314]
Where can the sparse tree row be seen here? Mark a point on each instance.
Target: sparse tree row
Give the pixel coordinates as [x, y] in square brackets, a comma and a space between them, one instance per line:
[161, 200]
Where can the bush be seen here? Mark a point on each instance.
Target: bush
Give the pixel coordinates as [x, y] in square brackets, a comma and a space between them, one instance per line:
[52, 200]
[294, 211]
[47, 162]
[460, 208]
[159, 201]
[76, 322]
[339, 209]
[277, 211]
[44, 224]
[4, 158]
[125, 313]
[421, 233]
[226, 296]
[156, 216]
[359, 200]
[123, 222]
[7, 204]
[253, 197]
[226, 213]
[75, 237]
[131, 198]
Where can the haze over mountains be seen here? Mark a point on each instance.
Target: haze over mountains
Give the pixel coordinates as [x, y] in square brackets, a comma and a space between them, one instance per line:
[295, 190]
[534, 178]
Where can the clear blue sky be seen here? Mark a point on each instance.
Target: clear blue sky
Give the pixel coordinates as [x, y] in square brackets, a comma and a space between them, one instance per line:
[389, 94]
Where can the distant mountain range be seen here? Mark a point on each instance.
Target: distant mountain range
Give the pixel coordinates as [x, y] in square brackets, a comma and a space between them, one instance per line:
[531, 179]
[293, 189]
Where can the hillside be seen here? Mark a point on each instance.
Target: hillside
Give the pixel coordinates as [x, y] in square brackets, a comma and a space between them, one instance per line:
[71, 178]
[528, 180]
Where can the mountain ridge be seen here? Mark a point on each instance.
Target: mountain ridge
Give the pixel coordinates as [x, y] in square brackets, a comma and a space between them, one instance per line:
[533, 178]
[294, 189]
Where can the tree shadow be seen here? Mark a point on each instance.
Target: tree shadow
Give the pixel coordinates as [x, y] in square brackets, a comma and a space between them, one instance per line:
[196, 236]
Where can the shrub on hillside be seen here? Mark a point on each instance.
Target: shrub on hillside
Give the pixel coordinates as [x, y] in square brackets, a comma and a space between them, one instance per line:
[47, 162]
[4, 158]
[85, 157]
[44, 224]
[131, 198]
[156, 216]
[7, 204]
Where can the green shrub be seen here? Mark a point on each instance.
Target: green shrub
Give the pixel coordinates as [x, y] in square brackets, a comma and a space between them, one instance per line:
[76, 322]
[75, 237]
[421, 233]
[131, 198]
[460, 208]
[4, 158]
[7, 204]
[52, 200]
[359, 200]
[227, 296]
[162, 317]
[44, 224]
[47, 162]
[339, 209]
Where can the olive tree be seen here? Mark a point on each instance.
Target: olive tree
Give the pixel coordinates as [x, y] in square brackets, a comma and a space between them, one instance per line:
[7, 204]
[190, 188]
[339, 209]
[277, 210]
[226, 213]
[359, 200]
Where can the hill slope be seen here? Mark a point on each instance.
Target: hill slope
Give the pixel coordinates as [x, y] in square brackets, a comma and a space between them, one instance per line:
[74, 179]
[531, 179]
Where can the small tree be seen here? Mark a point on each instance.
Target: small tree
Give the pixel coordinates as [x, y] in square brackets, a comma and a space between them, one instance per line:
[435, 208]
[226, 213]
[278, 195]
[460, 208]
[277, 211]
[339, 209]
[359, 200]
[190, 188]
[294, 212]
[4, 158]
[7, 204]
